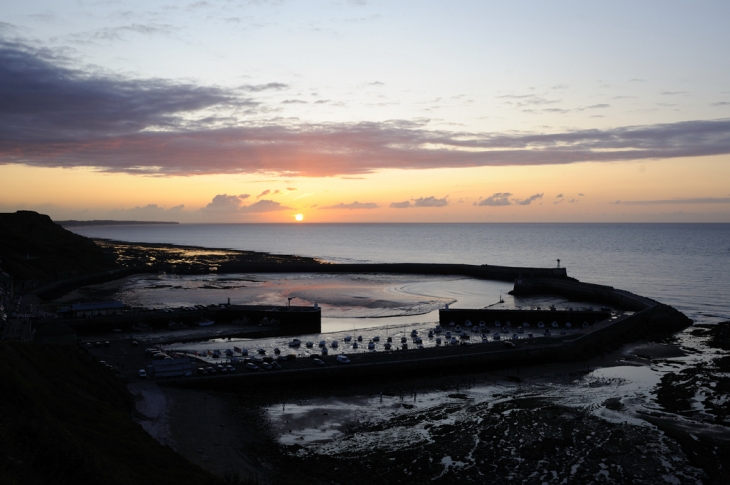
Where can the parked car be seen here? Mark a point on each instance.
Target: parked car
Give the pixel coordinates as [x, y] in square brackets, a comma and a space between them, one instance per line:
[252, 366]
[343, 359]
[317, 361]
[142, 373]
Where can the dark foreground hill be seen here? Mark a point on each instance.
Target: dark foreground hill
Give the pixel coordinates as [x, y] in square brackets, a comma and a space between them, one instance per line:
[35, 250]
[65, 419]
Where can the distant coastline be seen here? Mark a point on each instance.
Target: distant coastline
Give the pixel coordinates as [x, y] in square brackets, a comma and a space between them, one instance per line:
[110, 223]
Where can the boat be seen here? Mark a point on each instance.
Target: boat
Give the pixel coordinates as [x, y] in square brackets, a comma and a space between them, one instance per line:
[475, 329]
[482, 324]
[568, 325]
[404, 346]
[520, 330]
[229, 353]
[324, 351]
[457, 329]
[465, 336]
[505, 329]
[430, 334]
[262, 351]
[322, 343]
[547, 331]
[552, 308]
[335, 344]
[403, 340]
[276, 350]
[525, 324]
[497, 323]
[451, 324]
[417, 340]
[438, 329]
[438, 340]
[348, 338]
[244, 351]
[448, 335]
[371, 345]
[216, 354]
[508, 323]
[309, 345]
[206, 323]
[414, 333]
[485, 339]
[454, 341]
[529, 335]
[387, 346]
[359, 338]
[376, 338]
[515, 336]
[354, 345]
[295, 343]
[554, 324]
[390, 339]
[467, 323]
[540, 325]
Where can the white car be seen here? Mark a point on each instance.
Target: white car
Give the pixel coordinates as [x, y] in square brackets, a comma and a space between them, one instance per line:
[343, 359]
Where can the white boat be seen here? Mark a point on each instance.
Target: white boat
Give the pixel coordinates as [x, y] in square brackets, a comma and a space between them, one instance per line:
[206, 323]
[295, 343]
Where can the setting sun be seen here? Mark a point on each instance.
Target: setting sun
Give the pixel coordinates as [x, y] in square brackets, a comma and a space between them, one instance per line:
[299, 217]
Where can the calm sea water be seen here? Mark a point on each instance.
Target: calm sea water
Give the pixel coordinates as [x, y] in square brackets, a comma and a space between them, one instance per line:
[684, 265]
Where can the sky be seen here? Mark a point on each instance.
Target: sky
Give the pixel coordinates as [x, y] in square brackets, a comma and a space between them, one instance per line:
[366, 111]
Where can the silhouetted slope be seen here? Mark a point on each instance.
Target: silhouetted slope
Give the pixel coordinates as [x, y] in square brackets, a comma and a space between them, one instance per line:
[66, 419]
[35, 249]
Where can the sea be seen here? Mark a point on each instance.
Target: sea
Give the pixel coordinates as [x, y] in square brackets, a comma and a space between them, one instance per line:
[686, 266]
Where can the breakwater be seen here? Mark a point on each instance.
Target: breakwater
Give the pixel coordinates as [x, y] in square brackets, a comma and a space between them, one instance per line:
[649, 319]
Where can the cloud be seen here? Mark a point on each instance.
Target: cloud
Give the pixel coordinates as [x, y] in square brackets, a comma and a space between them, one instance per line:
[400, 205]
[598, 106]
[496, 200]
[294, 101]
[353, 205]
[291, 188]
[265, 192]
[264, 206]
[54, 116]
[581, 195]
[223, 203]
[698, 200]
[149, 212]
[529, 200]
[430, 202]
[264, 87]
[421, 202]
[559, 196]
[721, 103]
